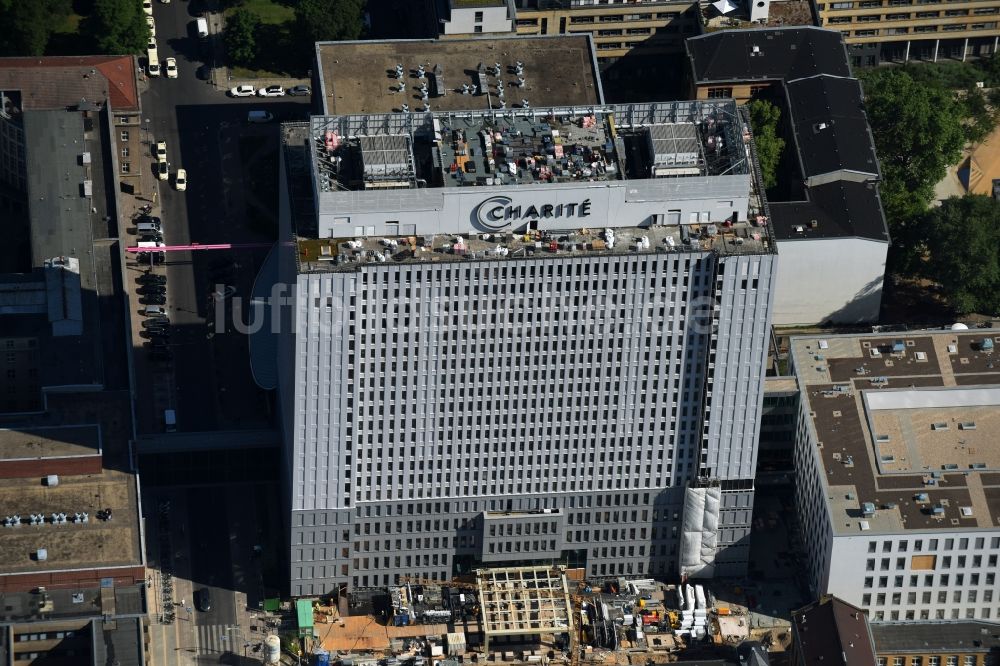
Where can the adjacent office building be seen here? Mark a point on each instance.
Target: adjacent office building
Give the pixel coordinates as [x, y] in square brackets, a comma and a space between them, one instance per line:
[826, 203]
[879, 31]
[72, 557]
[897, 490]
[619, 28]
[522, 336]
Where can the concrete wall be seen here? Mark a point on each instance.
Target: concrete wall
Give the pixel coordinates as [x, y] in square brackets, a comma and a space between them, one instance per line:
[453, 210]
[812, 288]
[491, 20]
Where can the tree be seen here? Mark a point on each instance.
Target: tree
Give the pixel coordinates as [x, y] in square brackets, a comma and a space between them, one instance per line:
[242, 28]
[329, 20]
[29, 25]
[764, 118]
[918, 132]
[118, 27]
[961, 240]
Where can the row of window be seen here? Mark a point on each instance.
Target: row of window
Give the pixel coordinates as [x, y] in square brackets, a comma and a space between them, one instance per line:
[971, 596]
[962, 543]
[950, 660]
[876, 18]
[945, 580]
[951, 27]
[871, 4]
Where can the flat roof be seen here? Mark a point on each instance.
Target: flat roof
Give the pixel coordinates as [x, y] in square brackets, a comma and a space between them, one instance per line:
[766, 53]
[72, 545]
[61, 219]
[52, 442]
[841, 209]
[514, 147]
[359, 77]
[906, 425]
[350, 254]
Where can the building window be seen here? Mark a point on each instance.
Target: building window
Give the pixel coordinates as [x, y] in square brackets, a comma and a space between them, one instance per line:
[124, 135]
[124, 151]
[126, 167]
[479, 17]
[842, 5]
[898, 661]
[477, 28]
[720, 93]
[756, 90]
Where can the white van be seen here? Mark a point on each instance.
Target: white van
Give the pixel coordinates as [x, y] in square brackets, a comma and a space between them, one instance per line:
[202, 26]
[260, 117]
[154, 311]
[153, 60]
[148, 228]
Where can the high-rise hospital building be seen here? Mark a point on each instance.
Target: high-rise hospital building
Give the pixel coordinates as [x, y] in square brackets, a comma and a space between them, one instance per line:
[522, 335]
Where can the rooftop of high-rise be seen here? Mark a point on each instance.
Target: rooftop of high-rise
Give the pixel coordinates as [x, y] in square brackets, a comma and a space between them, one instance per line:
[904, 424]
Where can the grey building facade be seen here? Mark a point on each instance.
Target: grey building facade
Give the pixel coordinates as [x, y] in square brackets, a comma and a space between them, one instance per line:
[545, 393]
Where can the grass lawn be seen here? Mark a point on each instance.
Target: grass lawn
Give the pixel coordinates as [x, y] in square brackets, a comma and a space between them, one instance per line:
[66, 38]
[282, 58]
[269, 11]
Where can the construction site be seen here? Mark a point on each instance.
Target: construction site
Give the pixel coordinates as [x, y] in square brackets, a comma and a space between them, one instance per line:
[533, 615]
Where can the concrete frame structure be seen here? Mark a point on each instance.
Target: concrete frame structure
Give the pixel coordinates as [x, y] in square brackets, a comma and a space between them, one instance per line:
[524, 601]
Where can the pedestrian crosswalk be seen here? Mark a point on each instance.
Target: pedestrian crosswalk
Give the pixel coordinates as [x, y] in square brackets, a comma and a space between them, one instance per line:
[218, 639]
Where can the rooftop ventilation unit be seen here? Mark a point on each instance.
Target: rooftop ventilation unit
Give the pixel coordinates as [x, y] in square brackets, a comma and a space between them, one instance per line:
[967, 425]
[966, 511]
[940, 425]
[41, 555]
[755, 51]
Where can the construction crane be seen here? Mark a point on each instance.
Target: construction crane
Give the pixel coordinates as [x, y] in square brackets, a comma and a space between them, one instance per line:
[199, 246]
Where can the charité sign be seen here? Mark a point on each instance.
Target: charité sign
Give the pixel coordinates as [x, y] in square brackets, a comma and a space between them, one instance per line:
[500, 212]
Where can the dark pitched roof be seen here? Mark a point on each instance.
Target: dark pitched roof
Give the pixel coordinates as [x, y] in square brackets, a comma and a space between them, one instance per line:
[56, 82]
[830, 125]
[832, 631]
[842, 209]
[926, 638]
[782, 54]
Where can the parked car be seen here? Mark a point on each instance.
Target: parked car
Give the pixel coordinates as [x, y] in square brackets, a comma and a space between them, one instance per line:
[161, 151]
[299, 91]
[152, 278]
[153, 299]
[244, 90]
[271, 91]
[162, 170]
[152, 25]
[203, 599]
[163, 355]
[171, 66]
[151, 44]
[155, 322]
[181, 180]
[147, 7]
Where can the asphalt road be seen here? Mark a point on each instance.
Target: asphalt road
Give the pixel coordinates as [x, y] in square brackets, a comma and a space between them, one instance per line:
[198, 122]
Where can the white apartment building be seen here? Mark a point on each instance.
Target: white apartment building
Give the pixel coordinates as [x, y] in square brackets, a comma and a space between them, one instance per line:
[898, 490]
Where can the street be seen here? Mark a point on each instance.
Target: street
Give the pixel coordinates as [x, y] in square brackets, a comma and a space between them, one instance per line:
[203, 536]
[208, 383]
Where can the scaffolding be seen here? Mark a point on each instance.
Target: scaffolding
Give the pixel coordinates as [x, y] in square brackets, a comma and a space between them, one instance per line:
[524, 601]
